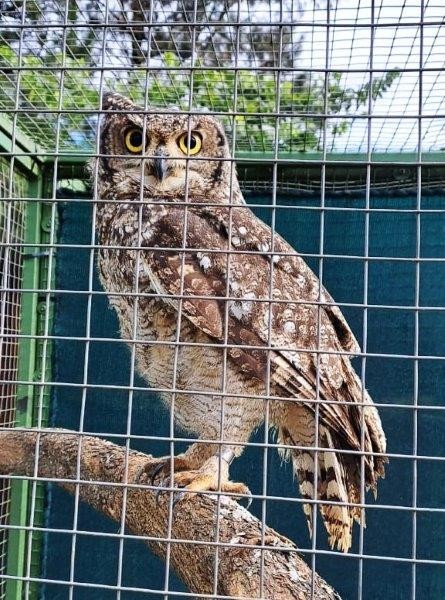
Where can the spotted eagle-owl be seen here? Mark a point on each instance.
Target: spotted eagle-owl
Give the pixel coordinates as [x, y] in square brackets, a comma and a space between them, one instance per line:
[228, 315]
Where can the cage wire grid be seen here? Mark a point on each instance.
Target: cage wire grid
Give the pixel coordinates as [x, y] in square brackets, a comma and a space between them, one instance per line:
[365, 97]
[12, 224]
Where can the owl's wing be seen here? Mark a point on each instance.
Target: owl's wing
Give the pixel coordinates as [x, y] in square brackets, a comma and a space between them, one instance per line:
[293, 372]
[250, 233]
[177, 277]
[180, 275]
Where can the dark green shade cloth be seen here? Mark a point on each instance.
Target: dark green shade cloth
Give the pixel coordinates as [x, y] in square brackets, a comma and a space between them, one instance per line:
[391, 283]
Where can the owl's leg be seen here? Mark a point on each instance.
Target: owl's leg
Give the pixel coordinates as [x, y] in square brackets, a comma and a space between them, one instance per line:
[198, 469]
[192, 459]
[212, 476]
[202, 468]
[205, 466]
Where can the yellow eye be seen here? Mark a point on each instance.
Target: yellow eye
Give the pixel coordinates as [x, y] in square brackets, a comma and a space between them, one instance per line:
[190, 145]
[133, 140]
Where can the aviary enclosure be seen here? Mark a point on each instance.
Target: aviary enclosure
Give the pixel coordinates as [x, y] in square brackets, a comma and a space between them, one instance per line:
[335, 118]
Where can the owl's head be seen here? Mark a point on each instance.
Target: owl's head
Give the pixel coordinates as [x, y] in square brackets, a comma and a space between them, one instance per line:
[168, 153]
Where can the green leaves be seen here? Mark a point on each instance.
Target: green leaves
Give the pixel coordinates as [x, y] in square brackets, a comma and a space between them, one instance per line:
[286, 110]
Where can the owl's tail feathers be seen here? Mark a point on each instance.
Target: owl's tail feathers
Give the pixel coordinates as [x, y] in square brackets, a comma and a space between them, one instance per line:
[338, 485]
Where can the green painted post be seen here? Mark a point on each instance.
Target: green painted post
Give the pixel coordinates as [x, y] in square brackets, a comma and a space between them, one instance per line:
[43, 360]
[25, 392]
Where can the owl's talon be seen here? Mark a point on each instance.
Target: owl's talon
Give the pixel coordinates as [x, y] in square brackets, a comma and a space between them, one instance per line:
[248, 498]
[162, 465]
[154, 472]
[177, 498]
[177, 495]
[158, 496]
[206, 480]
[165, 484]
[193, 481]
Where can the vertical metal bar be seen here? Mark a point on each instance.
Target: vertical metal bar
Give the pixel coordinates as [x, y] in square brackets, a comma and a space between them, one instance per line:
[88, 316]
[179, 320]
[48, 226]
[13, 151]
[274, 209]
[365, 289]
[228, 293]
[135, 328]
[417, 299]
[320, 292]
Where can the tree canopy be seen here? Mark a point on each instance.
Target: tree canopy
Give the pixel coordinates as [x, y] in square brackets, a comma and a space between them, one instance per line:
[194, 55]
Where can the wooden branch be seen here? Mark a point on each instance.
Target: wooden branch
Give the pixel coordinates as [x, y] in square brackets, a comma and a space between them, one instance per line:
[286, 575]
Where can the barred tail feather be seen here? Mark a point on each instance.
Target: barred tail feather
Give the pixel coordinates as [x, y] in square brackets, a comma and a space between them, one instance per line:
[338, 486]
[338, 480]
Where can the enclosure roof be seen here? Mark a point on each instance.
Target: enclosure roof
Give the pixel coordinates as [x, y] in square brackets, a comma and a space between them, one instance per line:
[285, 77]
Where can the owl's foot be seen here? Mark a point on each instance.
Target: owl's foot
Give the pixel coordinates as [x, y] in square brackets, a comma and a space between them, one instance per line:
[207, 479]
[161, 469]
[199, 481]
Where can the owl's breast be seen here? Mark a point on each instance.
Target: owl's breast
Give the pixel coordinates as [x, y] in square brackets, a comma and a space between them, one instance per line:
[146, 321]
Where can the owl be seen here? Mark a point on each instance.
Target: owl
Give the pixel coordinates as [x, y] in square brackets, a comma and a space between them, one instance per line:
[226, 321]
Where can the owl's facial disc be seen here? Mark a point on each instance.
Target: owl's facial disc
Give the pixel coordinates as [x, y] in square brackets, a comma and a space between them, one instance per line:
[158, 150]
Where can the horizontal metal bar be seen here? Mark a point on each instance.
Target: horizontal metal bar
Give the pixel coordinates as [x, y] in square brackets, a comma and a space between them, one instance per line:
[218, 394]
[227, 252]
[86, 292]
[70, 157]
[282, 115]
[220, 346]
[213, 494]
[262, 445]
[296, 207]
[237, 24]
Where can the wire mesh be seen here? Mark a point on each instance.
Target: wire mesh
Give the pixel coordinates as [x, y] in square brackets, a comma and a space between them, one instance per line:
[335, 114]
[12, 224]
[298, 29]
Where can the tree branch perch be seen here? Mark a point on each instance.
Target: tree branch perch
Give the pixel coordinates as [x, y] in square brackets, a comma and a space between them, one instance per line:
[286, 575]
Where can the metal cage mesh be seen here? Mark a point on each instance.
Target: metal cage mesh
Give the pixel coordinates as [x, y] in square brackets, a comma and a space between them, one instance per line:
[12, 229]
[239, 49]
[335, 114]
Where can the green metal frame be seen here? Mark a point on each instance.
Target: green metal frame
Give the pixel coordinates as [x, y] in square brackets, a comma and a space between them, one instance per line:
[35, 276]
[25, 397]
[42, 396]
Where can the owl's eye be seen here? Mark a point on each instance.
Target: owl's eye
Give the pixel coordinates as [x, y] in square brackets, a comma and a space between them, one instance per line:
[133, 140]
[190, 144]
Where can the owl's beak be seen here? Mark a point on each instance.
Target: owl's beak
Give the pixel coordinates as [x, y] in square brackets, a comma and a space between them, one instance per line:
[160, 164]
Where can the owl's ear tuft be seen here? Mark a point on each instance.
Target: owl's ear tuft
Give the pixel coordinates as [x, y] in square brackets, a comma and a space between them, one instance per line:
[114, 101]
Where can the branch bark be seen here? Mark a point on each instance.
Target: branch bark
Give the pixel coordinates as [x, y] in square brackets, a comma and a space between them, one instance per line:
[285, 575]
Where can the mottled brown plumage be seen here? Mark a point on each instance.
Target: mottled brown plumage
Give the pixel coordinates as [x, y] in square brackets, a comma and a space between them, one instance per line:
[166, 222]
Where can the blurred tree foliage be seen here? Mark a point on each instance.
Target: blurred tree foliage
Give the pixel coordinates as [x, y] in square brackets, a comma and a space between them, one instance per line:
[60, 69]
[137, 29]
